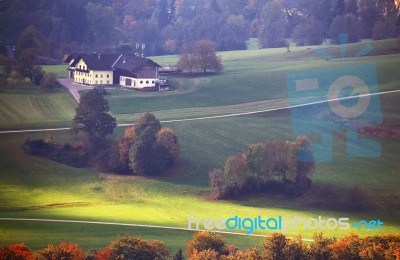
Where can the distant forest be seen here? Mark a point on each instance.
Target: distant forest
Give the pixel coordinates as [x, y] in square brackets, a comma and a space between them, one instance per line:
[163, 27]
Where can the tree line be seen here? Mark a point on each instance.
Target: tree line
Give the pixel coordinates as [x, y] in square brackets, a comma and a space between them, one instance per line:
[165, 26]
[213, 246]
[147, 148]
[271, 167]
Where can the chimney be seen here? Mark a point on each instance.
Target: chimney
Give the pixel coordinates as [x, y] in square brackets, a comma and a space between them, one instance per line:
[99, 56]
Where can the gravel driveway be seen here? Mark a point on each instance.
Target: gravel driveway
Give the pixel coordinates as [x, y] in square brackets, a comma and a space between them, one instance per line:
[73, 87]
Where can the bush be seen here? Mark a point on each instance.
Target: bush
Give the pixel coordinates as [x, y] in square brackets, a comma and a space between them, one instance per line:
[36, 147]
[49, 81]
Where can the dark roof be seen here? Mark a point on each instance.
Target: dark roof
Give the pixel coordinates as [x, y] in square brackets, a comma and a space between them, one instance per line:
[96, 61]
[130, 62]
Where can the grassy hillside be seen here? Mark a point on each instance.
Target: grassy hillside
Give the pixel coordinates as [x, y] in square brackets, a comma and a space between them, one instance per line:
[34, 187]
[26, 106]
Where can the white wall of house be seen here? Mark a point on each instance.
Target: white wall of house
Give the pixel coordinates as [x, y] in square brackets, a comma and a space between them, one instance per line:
[136, 83]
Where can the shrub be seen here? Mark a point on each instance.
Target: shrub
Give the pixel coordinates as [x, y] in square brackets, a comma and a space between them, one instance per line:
[36, 147]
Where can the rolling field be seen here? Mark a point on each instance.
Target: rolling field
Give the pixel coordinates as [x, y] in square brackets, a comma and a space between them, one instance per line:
[27, 106]
[34, 187]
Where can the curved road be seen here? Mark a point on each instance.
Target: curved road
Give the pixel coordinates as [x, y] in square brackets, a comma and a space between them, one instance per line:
[73, 87]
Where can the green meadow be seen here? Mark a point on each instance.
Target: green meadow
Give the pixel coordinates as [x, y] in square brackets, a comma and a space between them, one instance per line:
[34, 187]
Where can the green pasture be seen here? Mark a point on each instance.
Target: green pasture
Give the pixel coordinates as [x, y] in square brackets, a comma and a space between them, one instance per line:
[27, 106]
[34, 187]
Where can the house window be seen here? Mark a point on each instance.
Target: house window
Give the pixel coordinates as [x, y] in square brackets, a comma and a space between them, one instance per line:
[147, 82]
[96, 81]
[141, 82]
[101, 75]
[152, 82]
[95, 76]
[108, 75]
[108, 82]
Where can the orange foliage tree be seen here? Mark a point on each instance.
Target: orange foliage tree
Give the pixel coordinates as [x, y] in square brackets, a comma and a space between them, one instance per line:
[16, 252]
[64, 250]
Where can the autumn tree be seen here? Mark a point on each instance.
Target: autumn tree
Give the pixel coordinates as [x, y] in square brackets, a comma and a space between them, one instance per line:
[200, 55]
[64, 250]
[273, 25]
[217, 182]
[235, 171]
[17, 252]
[206, 243]
[320, 247]
[93, 116]
[128, 247]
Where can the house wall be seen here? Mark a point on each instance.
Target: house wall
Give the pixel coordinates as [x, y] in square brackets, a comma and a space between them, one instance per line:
[91, 77]
[137, 83]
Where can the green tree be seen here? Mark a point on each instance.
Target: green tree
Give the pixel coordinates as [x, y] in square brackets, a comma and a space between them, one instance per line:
[167, 138]
[273, 25]
[127, 247]
[344, 24]
[310, 32]
[144, 151]
[257, 160]
[25, 64]
[217, 182]
[7, 64]
[38, 74]
[235, 171]
[93, 116]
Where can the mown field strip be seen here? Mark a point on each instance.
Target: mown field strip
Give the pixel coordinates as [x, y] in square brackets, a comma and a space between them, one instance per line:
[195, 114]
